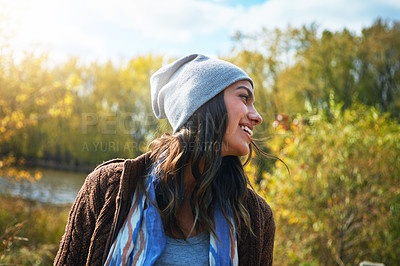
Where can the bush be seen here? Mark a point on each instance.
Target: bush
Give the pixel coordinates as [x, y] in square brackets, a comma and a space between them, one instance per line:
[340, 204]
[30, 231]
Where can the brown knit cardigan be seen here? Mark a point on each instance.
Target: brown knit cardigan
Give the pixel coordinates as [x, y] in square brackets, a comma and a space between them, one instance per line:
[103, 203]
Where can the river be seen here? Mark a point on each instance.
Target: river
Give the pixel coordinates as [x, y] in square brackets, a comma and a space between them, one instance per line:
[55, 186]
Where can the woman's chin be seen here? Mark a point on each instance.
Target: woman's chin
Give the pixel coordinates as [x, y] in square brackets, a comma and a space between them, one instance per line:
[241, 152]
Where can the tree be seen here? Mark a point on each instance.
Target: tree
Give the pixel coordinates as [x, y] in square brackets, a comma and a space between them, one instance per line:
[379, 66]
[27, 96]
[306, 64]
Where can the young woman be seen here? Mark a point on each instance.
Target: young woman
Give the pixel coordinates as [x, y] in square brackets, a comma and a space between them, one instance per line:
[187, 200]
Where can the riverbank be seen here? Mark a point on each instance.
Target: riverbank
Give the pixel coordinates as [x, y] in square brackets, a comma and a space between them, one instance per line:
[55, 186]
[52, 164]
[30, 230]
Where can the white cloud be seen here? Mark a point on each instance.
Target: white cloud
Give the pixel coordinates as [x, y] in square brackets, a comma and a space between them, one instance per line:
[106, 29]
[182, 21]
[392, 3]
[173, 20]
[43, 25]
[329, 14]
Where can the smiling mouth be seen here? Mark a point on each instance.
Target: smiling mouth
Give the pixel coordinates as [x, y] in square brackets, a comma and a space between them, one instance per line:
[248, 130]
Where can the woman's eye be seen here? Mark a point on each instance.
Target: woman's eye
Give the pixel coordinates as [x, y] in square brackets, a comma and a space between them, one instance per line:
[244, 97]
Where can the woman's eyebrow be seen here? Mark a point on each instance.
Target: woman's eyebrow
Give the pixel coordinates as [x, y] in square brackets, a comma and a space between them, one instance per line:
[251, 95]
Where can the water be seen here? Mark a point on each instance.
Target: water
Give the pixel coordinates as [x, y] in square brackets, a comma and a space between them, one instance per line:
[55, 187]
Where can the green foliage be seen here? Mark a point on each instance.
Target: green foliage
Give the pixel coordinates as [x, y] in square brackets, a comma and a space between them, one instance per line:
[379, 66]
[304, 65]
[73, 114]
[27, 95]
[340, 205]
[30, 231]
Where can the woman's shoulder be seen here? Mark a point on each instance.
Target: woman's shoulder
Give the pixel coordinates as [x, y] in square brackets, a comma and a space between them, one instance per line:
[111, 172]
[256, 205]
[106, 173]
[110, 165]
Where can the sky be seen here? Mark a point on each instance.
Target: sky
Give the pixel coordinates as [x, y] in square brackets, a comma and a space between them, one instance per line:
[99, 30]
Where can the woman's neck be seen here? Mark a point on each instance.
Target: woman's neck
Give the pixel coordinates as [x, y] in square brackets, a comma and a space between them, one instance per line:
[185, 216]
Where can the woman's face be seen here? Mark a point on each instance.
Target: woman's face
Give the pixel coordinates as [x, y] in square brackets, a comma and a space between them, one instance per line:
[242, 117]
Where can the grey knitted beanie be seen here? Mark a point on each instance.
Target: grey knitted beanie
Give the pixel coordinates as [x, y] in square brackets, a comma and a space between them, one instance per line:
[183, 86]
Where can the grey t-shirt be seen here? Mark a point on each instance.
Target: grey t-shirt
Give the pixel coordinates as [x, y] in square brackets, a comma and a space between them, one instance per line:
[194, 251]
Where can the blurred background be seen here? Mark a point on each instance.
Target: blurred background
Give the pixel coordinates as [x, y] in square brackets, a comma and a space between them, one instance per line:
[74, 92]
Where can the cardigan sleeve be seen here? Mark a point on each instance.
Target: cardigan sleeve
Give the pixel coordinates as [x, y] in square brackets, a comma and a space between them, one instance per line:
[257, 248]
[269, 237]
[87, 215]
[80, 226]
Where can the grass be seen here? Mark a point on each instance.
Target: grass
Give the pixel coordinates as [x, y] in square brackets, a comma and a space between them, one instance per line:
[30, 231]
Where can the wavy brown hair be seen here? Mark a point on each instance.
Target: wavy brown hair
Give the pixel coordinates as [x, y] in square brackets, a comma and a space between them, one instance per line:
[218, 180]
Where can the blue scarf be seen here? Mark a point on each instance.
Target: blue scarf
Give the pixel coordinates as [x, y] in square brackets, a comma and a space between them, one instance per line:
[141, 240]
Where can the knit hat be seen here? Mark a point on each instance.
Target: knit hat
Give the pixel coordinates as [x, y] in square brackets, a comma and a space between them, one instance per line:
[183, 86]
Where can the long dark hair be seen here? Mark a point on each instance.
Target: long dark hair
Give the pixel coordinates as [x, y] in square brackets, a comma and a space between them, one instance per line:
[218, 180]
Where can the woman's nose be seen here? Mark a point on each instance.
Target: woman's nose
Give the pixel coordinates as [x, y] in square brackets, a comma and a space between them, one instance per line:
[255, 117]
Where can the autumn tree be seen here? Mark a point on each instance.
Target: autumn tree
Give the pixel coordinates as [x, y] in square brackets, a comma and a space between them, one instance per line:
[86, 114]
[305, 64]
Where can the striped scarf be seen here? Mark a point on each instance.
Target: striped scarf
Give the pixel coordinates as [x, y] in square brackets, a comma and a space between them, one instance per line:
[141, 240]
